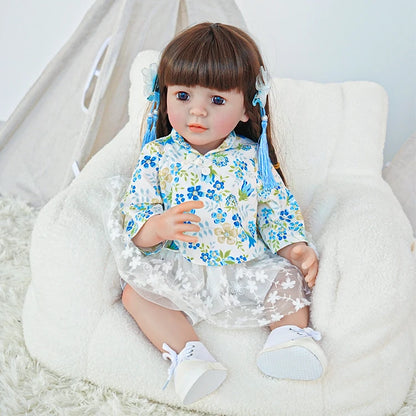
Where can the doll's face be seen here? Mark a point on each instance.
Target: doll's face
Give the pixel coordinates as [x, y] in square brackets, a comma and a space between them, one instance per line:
[202, 116]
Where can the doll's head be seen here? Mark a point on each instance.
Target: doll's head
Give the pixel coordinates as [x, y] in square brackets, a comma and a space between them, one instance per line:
[216, 56]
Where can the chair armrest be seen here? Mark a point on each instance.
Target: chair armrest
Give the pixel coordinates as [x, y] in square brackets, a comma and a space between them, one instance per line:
[366, 258]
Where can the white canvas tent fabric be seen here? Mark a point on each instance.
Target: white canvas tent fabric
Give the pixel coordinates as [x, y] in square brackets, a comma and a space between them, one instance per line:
[79, 103]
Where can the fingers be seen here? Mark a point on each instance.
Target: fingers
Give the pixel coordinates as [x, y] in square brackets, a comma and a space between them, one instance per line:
[178, 220]
[311, 274]
[306, 258]
[188, 217]
[186, 228]
[187, 206]
[186, 238]
[183, 228]
[307, 264]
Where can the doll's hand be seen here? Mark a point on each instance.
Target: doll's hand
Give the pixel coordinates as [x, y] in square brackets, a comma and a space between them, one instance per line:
[170, 225]
[303, 257]
[173, 223]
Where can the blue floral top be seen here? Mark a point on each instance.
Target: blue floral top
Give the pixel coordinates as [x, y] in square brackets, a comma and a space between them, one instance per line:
[240, 218]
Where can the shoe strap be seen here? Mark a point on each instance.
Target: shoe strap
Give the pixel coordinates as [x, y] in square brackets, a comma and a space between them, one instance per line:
[308, 332]
[288, 333]
[171, 355]
[175, 358]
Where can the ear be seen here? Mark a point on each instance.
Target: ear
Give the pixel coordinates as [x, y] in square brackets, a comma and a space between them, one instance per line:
[244, 117]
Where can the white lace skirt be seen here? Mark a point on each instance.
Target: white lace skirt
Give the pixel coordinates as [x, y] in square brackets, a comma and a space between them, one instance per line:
[251, 294]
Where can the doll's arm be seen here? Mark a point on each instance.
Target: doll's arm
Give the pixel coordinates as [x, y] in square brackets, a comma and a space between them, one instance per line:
[303, 257]
[170, 225]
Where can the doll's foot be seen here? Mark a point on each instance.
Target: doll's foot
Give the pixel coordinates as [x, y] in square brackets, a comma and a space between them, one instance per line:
[196, 372]
[292, 353]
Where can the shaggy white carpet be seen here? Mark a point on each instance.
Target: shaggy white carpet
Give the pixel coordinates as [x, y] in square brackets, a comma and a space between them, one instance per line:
[26, 387]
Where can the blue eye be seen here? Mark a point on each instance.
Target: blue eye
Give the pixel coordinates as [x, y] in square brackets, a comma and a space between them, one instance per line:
[182, 96]
[217, 100]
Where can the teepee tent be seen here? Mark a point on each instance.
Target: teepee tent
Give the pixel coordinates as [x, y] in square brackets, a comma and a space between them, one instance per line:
[79, 103]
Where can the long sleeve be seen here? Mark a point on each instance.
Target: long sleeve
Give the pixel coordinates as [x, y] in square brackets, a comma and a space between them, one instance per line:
[279, 219]
[143, 197]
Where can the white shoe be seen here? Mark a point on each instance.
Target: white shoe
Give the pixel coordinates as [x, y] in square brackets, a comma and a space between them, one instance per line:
[292, 353]
[196, 372]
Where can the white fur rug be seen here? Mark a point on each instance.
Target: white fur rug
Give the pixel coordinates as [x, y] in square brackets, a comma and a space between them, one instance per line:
[28, 388]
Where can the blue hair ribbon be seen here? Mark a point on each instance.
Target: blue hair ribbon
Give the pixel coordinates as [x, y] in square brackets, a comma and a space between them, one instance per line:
[151, 91]
[260, 98]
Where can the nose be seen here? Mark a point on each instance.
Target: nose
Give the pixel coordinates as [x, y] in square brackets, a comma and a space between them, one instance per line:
[198, 110]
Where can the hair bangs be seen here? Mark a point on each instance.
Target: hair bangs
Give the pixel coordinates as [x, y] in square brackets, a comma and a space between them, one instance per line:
[210, 60]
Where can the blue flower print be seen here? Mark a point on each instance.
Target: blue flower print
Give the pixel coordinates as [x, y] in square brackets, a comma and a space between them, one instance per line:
[218, 185]
[219, 216]
[205, 257]
[217, 198]
[215, 258]
[179, 199]
[266, 213]
[137, 175]
[231, 201]
[220, 160]
[282, 233]
[264, 194]
[132, 189]
[130, 225]
[242, 236]
[253, 231]
[194, 192]
[149, 162]
[245, 191]
[175, 168]
[272, 235]
[239, 174]
[174, 171]
[236, 220]
[296, 226]
[252, 228]
[194, 246]
[239, 164]
[251, 241]
[282, 196]
[241, 259]
[210, 193]
[292, 203]
[285, 216]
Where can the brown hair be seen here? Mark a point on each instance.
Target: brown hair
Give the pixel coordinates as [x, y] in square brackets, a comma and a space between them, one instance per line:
[218, 56]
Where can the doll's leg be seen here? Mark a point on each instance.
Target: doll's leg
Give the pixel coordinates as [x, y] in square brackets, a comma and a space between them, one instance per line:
[159, 324]
[287, 298]
[299, 318]
[290, 351]
[196, 372]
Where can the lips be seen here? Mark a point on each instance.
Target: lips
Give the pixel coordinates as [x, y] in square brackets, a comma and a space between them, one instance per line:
[196, 128]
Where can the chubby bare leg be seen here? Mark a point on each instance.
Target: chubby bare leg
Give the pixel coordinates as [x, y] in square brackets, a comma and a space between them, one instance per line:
[159, 324]
[299, 318]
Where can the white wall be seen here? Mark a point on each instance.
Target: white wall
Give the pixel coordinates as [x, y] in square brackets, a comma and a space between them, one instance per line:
[339, 40]
[31, 33]
[318, 40]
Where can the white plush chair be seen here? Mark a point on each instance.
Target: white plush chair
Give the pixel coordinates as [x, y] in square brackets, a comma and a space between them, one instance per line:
[330, 138]
[400, 174]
